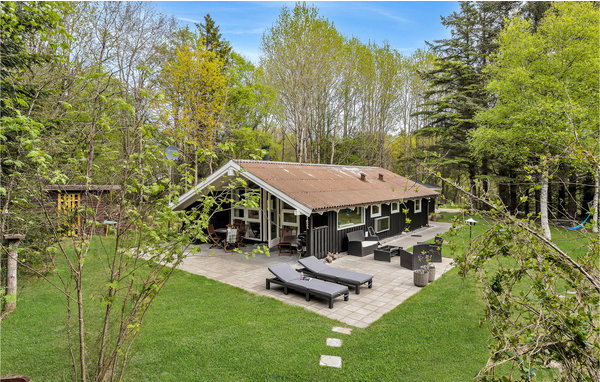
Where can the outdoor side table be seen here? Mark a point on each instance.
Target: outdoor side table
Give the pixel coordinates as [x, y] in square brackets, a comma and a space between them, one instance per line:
[385, 253]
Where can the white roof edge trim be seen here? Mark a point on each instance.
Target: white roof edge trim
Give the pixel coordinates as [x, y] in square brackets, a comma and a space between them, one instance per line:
[292, 202]
[192, 195]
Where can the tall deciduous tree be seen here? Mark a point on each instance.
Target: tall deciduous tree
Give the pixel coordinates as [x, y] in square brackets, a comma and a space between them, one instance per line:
[195, 91]
[546, 83]
[300, 52]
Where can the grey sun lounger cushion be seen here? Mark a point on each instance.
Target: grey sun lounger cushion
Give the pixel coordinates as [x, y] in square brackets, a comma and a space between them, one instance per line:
[288, 277]
[323, 287]
[317, 269]
[284, 272]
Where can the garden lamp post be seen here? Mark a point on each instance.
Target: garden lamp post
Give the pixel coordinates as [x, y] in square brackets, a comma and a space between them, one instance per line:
[471, 222]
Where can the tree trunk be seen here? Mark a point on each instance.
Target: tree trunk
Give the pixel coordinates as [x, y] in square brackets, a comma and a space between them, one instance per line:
[572, 195]
[11, 278]
[82, 361]
[544, 203]
[595, 202]
[195, 165]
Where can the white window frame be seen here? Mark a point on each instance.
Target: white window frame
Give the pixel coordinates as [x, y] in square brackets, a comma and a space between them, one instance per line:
[337, 220]
[246, 217]
[417, 210]
[373, 215]
[394, 210]
[378, 220]
[295, 226]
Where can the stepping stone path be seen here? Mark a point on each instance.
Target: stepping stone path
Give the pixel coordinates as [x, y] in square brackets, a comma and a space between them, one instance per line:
[337, 329]
[333, 360]
[334, 342]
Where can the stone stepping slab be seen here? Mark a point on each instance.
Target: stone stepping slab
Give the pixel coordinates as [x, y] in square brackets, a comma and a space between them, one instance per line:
[338, 329]
[331, 361]
[334, 342]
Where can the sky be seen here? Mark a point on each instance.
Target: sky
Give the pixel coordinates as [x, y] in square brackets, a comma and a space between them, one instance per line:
[406, 25]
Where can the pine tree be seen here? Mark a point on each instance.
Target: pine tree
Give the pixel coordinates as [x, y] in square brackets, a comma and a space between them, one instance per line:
[213, 40]
[457, 82]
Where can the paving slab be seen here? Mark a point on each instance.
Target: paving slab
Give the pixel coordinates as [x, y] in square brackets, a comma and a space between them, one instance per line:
[331, 361]
[334, 342]
[339, 329]
[392, 284]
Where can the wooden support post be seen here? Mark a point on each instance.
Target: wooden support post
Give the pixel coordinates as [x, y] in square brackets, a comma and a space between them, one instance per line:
[12, 241]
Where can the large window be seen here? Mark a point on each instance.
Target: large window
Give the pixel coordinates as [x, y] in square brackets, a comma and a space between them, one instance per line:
[251, 216]
[395, 207]
[382, 224]
[417, 205]
[289, 218]
[375, 210]
[351, 217]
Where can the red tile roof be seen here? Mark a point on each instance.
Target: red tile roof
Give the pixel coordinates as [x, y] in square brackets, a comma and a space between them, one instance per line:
[322, 187]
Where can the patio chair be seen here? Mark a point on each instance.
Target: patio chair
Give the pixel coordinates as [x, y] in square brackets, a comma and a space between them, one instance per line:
[243, 228]
[285, 241]
[434, 251]
[409, 260]
[238, 222]
[315, 268]
[358, 246]
[289, 278]
[214, 237]
[230, 241]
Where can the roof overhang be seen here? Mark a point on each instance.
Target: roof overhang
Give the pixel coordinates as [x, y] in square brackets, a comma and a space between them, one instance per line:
[232, 169]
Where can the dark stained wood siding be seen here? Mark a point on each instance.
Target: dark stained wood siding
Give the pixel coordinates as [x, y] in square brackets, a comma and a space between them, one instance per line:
[337, 241]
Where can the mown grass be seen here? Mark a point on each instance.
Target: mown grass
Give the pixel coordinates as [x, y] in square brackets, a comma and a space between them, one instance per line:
[199, 329]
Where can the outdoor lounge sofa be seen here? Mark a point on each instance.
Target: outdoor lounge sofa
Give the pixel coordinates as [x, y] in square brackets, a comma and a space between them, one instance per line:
[315, 268]
[433, 250]
[358, 245]
[289, 278]
[409, 260]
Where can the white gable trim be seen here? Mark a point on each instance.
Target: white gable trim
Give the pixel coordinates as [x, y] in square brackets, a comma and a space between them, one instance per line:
[192, 195]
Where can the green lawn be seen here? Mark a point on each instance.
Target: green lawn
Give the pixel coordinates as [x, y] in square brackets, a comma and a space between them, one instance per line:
[199, 329]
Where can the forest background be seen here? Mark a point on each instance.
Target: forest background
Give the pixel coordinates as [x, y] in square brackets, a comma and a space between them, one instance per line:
[506, 110]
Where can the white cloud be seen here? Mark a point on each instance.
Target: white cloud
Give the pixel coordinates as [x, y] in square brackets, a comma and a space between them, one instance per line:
[188, 20]
[387, 14]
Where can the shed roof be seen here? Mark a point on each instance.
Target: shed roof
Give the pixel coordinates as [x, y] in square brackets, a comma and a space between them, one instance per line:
[319, 187]
[82, 187]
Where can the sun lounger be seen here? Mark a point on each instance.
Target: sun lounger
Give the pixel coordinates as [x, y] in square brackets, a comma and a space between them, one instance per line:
[315, 268]
[289, 278]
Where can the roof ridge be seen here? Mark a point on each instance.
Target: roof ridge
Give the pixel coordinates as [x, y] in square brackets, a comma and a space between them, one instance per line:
[304, 164]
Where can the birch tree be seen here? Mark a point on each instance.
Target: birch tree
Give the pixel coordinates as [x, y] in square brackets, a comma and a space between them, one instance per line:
[299, 60]
[546, 83]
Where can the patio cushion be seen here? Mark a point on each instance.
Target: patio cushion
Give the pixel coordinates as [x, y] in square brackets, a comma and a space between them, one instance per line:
[313, 264]
[369, 243]
[320, 286]
[349, 276]
[356, 236]
[284, 272]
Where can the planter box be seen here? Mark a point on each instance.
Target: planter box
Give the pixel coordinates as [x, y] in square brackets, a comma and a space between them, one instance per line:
[421, 278]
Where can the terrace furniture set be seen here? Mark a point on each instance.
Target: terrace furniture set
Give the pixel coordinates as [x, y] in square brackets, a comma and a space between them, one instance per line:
[317, 279]
[228, 238]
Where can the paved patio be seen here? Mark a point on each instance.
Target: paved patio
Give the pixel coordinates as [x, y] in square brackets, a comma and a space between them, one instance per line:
[392, 284]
